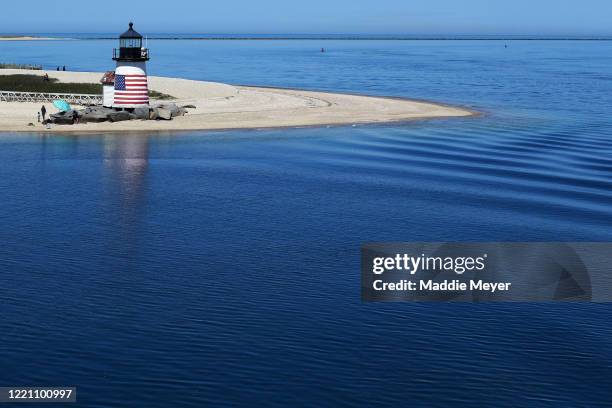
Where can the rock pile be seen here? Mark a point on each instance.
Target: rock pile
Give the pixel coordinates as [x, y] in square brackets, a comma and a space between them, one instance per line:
[165, 111]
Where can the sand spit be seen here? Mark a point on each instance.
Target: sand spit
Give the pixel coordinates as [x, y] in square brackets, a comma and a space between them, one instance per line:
[26, 38]
[223, 106]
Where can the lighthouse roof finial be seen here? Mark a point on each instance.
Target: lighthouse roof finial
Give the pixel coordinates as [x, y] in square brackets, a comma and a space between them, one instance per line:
[131, 33]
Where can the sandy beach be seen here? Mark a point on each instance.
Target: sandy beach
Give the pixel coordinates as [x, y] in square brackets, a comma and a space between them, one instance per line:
[223, 106]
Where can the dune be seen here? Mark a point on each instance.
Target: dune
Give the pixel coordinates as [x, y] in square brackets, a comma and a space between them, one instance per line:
[224, 106]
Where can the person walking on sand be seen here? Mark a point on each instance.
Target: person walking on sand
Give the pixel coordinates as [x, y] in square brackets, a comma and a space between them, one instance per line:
[43, 111]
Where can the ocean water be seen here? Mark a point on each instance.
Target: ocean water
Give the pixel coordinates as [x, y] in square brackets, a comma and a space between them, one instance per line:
[222, 268]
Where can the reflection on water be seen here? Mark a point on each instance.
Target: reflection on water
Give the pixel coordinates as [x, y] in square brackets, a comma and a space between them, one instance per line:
[125, 167]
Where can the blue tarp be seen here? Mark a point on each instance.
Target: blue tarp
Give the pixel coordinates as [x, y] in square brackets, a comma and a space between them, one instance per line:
[62, 105]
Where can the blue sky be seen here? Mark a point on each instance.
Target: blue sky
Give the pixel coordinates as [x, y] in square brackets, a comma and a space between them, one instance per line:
[529, 17]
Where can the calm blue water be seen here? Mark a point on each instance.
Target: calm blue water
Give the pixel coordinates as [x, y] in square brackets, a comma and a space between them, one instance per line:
[222, 268]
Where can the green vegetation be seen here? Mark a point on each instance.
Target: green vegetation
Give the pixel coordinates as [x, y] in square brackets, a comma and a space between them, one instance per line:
[159, 95]
[20, 66]
[37, 83]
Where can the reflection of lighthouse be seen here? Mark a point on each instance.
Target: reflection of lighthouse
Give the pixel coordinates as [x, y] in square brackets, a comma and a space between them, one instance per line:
[124, 179]
[126, 161]
[131, 89]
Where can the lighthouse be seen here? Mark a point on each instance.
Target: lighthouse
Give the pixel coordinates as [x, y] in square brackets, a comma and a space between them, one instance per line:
[130, 82]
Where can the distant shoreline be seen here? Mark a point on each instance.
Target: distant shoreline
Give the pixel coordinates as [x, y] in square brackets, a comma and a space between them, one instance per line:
[26, 38]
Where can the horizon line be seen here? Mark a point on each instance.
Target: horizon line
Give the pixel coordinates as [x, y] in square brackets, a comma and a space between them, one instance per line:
[322, 36]
[290, 34]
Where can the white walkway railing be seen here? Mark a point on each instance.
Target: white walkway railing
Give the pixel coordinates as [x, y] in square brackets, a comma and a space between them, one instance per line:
[77, 99]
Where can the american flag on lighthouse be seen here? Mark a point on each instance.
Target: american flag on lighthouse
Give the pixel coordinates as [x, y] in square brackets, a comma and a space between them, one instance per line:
[131, 89]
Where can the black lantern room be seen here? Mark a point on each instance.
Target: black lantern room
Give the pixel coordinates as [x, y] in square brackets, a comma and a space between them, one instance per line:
[130, 47]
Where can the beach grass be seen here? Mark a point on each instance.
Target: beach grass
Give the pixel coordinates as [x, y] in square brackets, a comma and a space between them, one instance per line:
[37, 83]
[20, 66]
[160, 95]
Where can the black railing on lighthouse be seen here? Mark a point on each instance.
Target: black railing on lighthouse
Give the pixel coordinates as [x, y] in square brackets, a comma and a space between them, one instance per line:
[130, 53]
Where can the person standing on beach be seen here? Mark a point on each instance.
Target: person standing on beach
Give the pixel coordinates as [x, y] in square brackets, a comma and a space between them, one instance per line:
[38, 116]
[64, 68]
[43, 111]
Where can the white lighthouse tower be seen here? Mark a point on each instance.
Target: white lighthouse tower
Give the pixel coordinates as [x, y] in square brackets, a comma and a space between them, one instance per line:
[131, 86]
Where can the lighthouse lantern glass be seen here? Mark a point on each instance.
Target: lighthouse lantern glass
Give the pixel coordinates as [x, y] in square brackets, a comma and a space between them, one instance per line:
[130, 43]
